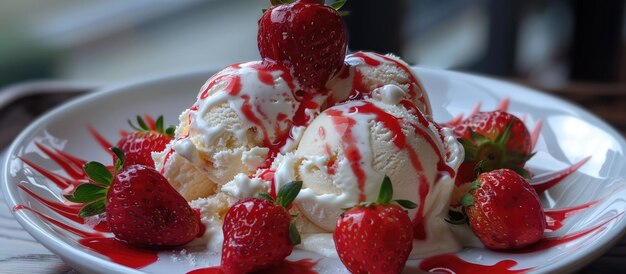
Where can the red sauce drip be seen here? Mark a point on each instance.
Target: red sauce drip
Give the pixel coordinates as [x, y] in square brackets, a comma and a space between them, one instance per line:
[344, 73]
[233, 84]
[63, 183]
[66, 210]
[103, 142]
[59, 224]
[367, 59]
[542, 184]
[70, 164]
[358, 87]
[547, 243]
[451, 263]
[268, 176]
[306, 102]
[555, 217]
[344, 126]
[304, 266]
[266, 77]
[166, 159]
[441, 163]
[120, 252]
[419, 226]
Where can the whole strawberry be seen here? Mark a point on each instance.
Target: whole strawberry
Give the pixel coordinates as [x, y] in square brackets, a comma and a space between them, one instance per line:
[259, 232]
[306, 36]
[375, 237]
[139, 145]
[140, 205]
[504, 211]
[494, 139]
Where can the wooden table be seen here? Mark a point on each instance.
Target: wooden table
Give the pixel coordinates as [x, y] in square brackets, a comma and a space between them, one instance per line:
[20, 253]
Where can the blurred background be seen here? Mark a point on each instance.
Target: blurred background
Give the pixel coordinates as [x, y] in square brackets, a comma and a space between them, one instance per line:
[575, 49]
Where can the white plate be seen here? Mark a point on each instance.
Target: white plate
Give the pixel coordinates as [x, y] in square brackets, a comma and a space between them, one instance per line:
[569, 134]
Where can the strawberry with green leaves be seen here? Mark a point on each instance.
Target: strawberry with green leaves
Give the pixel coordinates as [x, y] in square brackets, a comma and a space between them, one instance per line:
[504, 211]
[259, 232]
[140, 206]
[375, 237]
[139, 145]
[306, 36]
[496, 140]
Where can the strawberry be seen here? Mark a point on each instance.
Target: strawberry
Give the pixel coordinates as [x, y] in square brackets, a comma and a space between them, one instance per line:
[140, 205]
[375, 237]
[495, 139]
[139, 145]
[259, 232]
[504, 211]
[306, 36]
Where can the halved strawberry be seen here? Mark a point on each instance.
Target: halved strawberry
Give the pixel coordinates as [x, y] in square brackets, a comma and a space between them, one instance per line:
[306, 36]
[139, 204]
[139, 145]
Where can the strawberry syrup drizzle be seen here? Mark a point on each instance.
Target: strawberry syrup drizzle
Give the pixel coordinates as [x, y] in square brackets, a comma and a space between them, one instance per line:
[548, 180]
[393, 124]
[101, 141]
[413, 81]
[555, 217]
[547, 243]
[452, 264]
[345, 125]
[304, 266]
[118, 251]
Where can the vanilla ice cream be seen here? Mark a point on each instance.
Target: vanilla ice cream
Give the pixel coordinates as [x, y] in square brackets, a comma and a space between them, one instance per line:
[347, 150]
[243, 115]
[366, 71]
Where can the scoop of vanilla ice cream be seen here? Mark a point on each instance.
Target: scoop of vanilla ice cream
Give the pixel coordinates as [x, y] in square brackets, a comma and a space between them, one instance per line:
[366, 71]
[242, 114]
[347, 150]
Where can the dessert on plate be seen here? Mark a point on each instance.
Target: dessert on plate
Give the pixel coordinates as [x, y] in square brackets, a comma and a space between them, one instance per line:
[313, 149]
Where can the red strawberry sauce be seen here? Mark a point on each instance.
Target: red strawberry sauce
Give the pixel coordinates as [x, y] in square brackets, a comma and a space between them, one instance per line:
[304, 266]
[451, 263]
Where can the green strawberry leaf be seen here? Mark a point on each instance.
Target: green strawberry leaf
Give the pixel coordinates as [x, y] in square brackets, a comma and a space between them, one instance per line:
[478, 138]
[98, 173]
[467, 200]
[288, 193]
[265, 196]
[142, 124]
[471, 150]
[386, 192]
[87, 193]
[159, 124]
[92, 209]
[120, 158]
[170, 131]
[406, 204]
[338, 4]
[294, 236]
[503, 138]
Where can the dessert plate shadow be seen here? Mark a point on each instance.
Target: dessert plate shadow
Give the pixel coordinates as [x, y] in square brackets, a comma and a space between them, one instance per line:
[569, 135]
